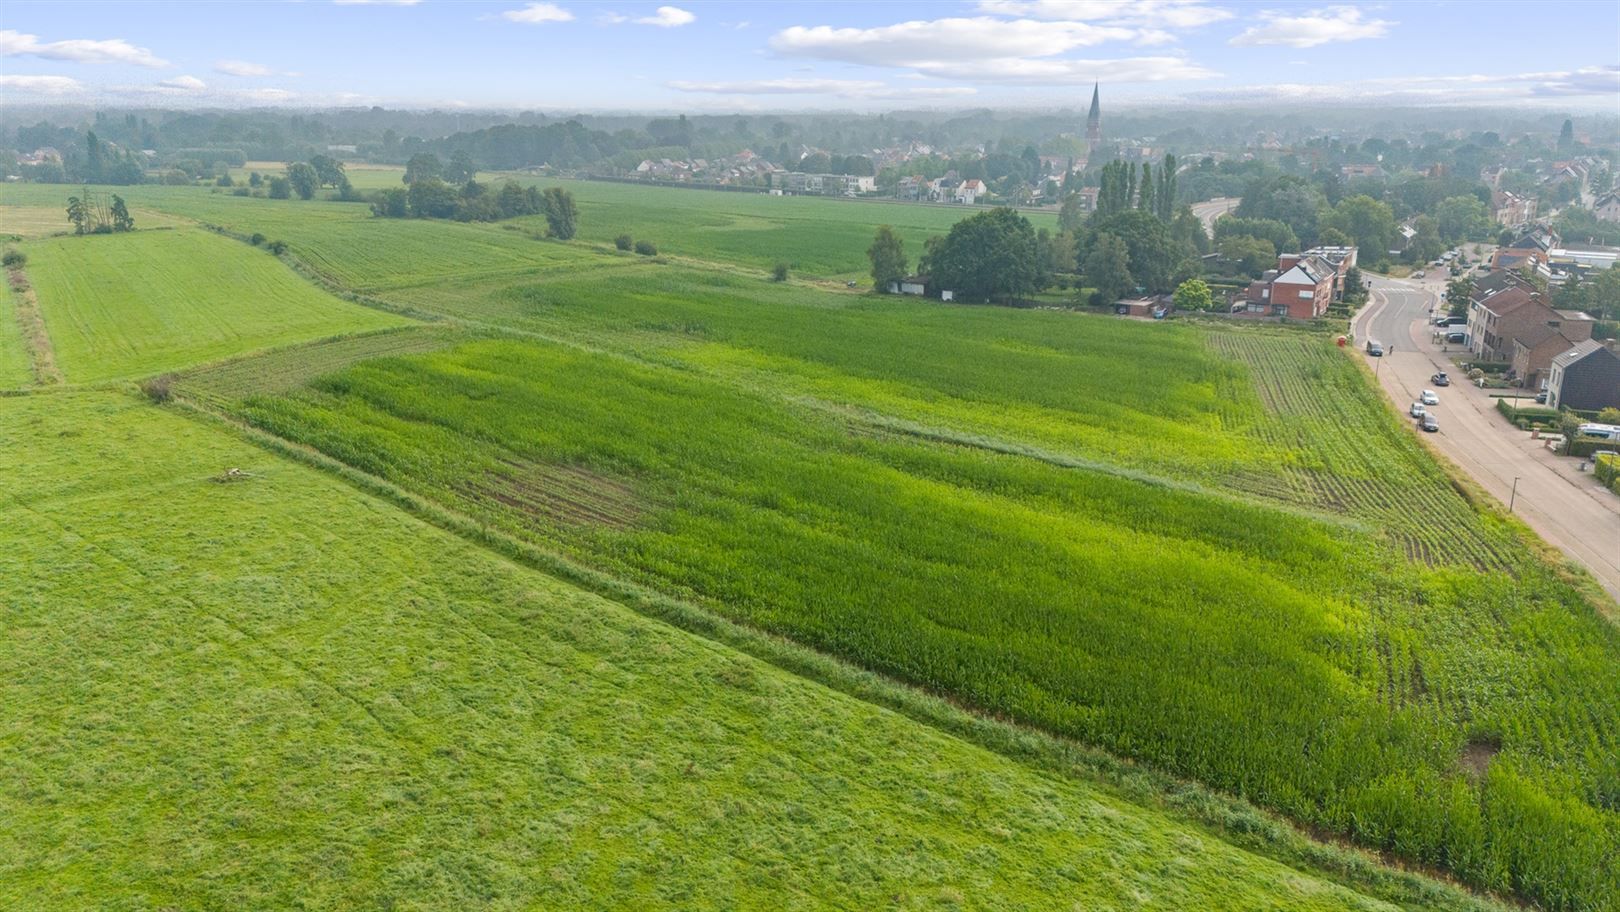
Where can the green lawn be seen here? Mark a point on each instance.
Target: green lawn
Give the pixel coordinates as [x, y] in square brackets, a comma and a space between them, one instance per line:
[279, 693]
[815, 235]
[120, 306]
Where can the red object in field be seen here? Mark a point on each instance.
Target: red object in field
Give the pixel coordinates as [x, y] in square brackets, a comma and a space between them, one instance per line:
[1342, 341]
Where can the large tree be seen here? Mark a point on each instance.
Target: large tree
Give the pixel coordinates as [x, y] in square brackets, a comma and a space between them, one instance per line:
[303, 179]
[1152, 254]
[328, 170]
[562, 216]
[1368, 222]
[888, 256]
[989, 256]
[423, 166]
[1194, 294]
[1462, 218]
[1291, 200]
[1107, 268]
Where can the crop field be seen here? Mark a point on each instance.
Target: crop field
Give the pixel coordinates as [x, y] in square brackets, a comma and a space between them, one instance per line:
[43, 221]
[1222, 640]
[288, 368]
[815, 235]
[280, 693]
[129, 305]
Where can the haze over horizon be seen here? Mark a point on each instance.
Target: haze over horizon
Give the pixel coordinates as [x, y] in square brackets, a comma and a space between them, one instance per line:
[724, 56]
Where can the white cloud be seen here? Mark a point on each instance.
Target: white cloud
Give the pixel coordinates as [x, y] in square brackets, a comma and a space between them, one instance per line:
[1597, 83]
[1164, 14]
[936, 41]
[79, 50]
[664, 17]
[1334, 23]
[668, 17]
[241, 68]
[538, 14]
[844, 88]
[184, 84]
[984, 49]
[42, 85]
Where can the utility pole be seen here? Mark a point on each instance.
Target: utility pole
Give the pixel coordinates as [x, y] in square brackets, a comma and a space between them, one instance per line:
[1514, 495]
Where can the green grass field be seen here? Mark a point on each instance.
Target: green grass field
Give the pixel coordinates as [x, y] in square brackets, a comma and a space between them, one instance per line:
[817, 236]
[120, 306]
[1213, 550]
[1219, 639]
[280, 693]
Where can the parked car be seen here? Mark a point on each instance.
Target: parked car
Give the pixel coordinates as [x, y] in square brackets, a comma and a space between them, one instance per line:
[1541, 398]
[1376, 349]
[1429, 424]
[1419, 274]
[1457, 337]
[1417, 410]
[1429, 398]
[1440, 379]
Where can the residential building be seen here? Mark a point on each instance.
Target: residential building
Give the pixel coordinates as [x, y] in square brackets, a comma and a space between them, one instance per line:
[1586, 377]
[1531, 249]
[1608, 207]
[969, 191]
[1511, 209]
[1533, 351]
[1497, 320]
[1342, 259]
[1301, 287]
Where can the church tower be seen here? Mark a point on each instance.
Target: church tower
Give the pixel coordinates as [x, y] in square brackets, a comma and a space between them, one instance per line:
[1094, 120]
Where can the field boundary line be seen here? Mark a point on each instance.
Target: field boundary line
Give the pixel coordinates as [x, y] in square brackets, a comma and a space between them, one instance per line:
[1224, 816]
[41, 354]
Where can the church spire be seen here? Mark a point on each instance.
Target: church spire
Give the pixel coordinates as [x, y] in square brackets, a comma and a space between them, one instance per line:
[1094, 119]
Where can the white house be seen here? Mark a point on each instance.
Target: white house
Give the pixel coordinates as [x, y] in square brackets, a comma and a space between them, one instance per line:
[969, 191]
[1608, 207]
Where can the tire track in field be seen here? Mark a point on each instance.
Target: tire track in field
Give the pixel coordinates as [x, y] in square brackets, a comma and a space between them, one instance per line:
[41, 355]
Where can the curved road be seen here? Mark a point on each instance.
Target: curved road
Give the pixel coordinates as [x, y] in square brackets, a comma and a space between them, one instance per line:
[1210, 210]
[1566, 507]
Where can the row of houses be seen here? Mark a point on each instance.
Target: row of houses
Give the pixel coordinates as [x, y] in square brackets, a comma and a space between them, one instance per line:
[796, 183]
[947, 189]
[1510, 320]
[1302, 286]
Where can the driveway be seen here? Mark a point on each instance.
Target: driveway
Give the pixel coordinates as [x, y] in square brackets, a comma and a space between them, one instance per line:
[1566, 507]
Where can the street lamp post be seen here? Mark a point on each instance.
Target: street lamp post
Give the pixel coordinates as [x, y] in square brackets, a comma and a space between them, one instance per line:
[1514, 494]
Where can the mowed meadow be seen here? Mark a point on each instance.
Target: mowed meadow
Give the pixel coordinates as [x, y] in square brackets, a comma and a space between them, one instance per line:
[1211, 549]
[279, 692]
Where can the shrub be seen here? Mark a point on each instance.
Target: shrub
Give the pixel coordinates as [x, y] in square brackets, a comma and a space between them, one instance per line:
[159, 389]
[646, 248]
[1609, 416]
[622, 242]
[14, 257]
[256, 239]
[241, 191]
[278, 247]
[1607, 469]
[779, 272]
[224, 180]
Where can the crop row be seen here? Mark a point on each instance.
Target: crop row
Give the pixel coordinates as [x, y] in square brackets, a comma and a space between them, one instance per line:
[1301, 664]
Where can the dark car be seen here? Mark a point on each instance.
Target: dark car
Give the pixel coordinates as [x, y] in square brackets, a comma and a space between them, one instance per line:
[1541, 398]
[1457, 337]
[1440, 379]
[1428, 423]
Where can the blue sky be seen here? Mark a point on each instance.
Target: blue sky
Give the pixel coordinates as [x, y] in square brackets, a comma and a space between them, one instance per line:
[721, 56]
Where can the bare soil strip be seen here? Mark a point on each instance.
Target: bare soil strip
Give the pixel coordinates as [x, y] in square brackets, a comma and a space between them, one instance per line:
[38, 342]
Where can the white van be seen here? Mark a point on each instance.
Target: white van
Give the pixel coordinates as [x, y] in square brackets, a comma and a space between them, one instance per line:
[1606, 431]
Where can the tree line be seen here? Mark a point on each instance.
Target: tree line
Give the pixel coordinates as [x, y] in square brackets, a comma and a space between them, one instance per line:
[89, 214]
[427, 195]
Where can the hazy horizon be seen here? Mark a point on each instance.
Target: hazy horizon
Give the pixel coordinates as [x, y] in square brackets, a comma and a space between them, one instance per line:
[721, 57]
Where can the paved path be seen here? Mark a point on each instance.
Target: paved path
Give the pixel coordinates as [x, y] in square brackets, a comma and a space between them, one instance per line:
[1566, 507]
[1210, 210]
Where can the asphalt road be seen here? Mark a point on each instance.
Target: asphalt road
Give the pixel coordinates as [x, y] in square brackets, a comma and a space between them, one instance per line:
[1565, 506]
[1210, 210]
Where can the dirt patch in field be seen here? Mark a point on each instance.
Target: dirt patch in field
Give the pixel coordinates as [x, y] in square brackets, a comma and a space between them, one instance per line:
[1477, 754]
[40, 353]
[560, 495]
